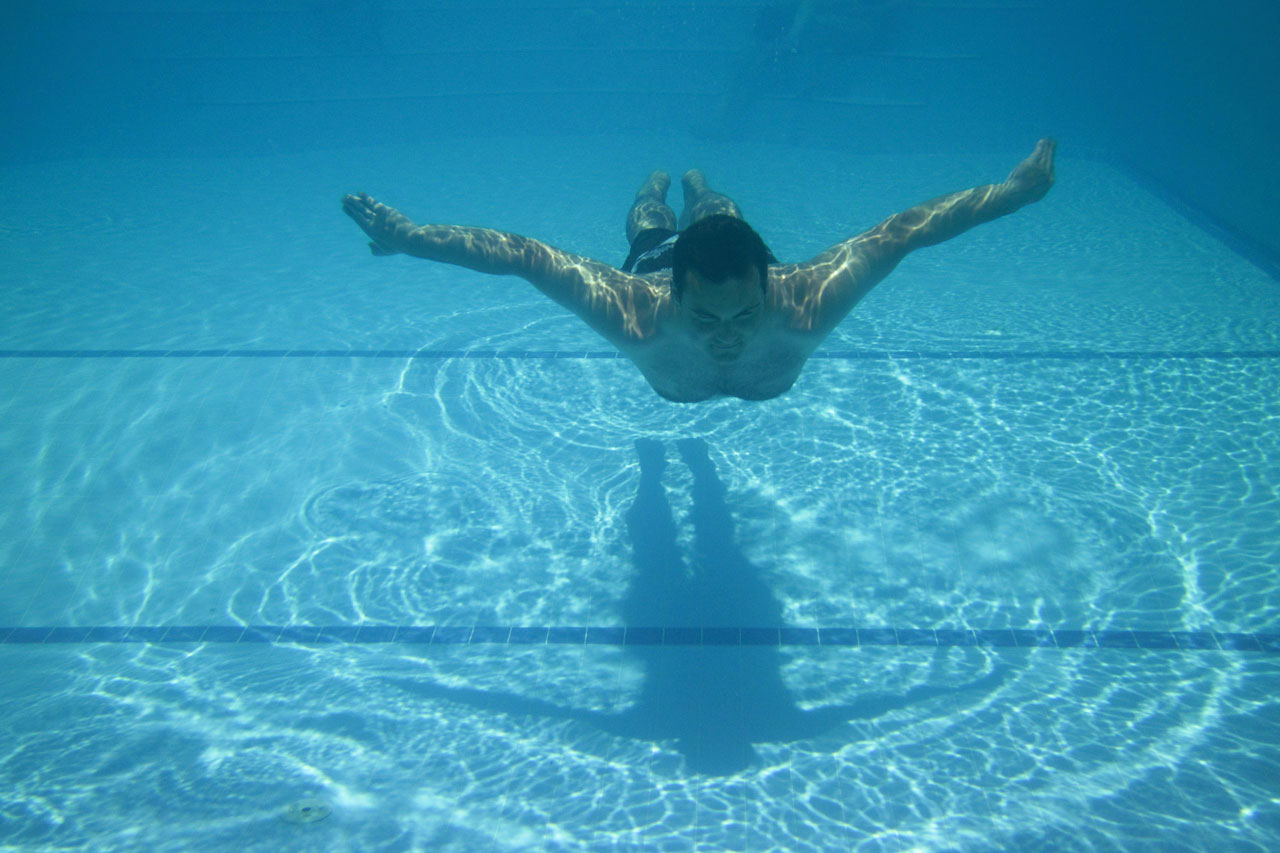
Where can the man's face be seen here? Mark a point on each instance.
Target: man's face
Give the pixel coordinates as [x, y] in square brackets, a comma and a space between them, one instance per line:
[722, 316]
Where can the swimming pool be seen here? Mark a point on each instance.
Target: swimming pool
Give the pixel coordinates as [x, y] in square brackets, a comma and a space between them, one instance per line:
[286, 522]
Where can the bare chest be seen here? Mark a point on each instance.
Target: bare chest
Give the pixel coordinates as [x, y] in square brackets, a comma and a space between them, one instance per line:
[681, 372]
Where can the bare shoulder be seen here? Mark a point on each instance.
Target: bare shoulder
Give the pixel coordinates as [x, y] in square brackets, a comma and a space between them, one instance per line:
[813, 297]
[625, 308]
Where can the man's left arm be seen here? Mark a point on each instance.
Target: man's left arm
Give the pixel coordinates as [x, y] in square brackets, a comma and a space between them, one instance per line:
[830, 285]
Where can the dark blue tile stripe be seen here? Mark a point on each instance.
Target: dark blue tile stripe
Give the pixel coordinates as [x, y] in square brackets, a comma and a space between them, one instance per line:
[846, 355]
[1116, 638]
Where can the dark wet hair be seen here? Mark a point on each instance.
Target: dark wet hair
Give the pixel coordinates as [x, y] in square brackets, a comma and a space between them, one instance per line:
[718, 247]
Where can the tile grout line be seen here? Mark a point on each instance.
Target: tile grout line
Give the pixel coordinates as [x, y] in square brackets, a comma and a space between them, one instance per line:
[839, 355]
[520, 635]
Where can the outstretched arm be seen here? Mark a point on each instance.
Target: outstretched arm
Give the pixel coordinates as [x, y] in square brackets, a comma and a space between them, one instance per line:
[617, 305]
[827, 288]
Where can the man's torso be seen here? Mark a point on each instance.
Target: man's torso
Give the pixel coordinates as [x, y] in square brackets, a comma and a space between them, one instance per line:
[681, 371]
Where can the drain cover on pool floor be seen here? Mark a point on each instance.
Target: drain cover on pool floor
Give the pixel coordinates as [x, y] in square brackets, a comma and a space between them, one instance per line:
[306, 811]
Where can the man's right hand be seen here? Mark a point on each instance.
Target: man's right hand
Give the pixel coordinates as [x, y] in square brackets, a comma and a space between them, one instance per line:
[387, 228]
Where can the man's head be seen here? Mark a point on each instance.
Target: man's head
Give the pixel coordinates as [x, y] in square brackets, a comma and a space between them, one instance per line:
[718, 247]
[719, 275]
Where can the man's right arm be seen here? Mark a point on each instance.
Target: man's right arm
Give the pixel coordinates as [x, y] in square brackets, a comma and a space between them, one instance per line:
[617, 305]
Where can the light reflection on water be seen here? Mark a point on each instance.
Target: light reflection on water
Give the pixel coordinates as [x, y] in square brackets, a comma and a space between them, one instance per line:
[910, 492]
[945, 505]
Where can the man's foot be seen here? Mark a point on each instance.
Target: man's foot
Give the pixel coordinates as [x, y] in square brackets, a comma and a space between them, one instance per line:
[1031, 179]
[650, 207]
[385, 226]
[695, 184]
[655, 187]
[700, 201]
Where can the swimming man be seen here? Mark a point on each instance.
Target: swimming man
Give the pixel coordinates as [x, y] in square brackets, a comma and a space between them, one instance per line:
[707, 311]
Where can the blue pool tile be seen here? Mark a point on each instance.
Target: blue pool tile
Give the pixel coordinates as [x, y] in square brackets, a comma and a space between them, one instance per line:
[375, 634]
[1239, 642]
[567, 635]
[451, 635]
[521, 636]
[865, 636]
[222, 634]
[1073, 639]
[643, 637]
[798, 636]
[415, 633]
[67, 635]
[490, 634]
[185, 633]
[278, 633]
[1033, 637]
[605, 636]
[146, 634]
[844, 636]
[337, 633]
[681, 636]
[28, 635]
[1195, 639]
[1155, 640]
[721, 637]
[999, 637]
[917, 637]
[955, 637]
[106, 634]
[273, 633]
[760, 636]
[1116, 639]
[603, 355]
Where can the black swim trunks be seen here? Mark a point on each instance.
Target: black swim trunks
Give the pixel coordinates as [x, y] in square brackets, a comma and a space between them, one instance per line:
[653, 249]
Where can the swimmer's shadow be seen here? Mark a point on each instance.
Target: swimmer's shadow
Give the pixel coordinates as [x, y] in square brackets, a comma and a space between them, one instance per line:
[715, 702]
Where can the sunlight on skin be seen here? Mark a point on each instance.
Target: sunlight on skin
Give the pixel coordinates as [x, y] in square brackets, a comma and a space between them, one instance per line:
[668, 342]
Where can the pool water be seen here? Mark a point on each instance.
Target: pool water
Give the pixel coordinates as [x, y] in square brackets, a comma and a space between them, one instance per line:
[308, 549]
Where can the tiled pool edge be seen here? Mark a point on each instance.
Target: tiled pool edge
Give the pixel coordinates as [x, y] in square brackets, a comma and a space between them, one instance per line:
[520, 635]
[839, 355]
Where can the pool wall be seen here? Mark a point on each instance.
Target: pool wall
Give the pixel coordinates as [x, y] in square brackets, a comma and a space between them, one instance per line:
[1183, 93]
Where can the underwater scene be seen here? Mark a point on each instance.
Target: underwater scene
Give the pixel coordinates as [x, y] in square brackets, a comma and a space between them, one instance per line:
[629, 426]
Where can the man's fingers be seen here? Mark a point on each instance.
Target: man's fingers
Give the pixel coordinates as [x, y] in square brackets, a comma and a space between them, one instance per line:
[360, 208]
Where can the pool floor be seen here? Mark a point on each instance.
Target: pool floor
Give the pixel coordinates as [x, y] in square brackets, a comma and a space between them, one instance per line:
[286, 523]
